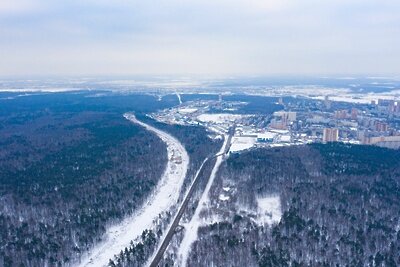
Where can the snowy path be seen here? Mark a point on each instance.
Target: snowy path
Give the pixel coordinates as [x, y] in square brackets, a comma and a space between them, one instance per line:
[179, 98]
[192, 227]
[165, 195]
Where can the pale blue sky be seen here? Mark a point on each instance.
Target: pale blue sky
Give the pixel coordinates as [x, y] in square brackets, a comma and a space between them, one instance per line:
[218, 37]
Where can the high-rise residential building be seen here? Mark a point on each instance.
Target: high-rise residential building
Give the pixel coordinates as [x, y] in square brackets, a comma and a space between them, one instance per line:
[286, 117]
[394, 107]
[381, 126]
[341, 114]
[397, 107]
[327, 102]
[330, 135]
[354, 114]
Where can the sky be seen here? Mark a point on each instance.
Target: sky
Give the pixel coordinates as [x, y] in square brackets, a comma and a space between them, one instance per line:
[207, 37]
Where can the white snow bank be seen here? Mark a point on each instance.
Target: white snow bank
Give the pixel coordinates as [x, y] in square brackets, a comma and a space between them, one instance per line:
[164, 196]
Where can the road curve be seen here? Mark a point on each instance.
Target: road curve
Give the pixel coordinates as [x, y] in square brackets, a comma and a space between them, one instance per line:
[164, 196]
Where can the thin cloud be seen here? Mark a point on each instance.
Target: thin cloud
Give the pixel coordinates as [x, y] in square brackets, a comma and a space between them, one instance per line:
[236, 36]
[18, 7]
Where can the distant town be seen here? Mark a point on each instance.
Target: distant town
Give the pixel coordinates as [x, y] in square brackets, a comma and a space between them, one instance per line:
[301, 121]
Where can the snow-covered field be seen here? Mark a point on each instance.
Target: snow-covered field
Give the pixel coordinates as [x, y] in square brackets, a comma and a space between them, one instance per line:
[361, 99]
[334, 94]
[164, 196]
[345, 95]
[240, 143]
[192, 227]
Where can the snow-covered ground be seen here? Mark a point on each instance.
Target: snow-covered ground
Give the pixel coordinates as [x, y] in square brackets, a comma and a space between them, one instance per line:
[240, 143]
[41, 90]
[187, 110]
[223, 197]
[164, 196]
[346, 95]
[269, 210]
[192, 227]
[361, 99]
[219, 118]
[334, 94]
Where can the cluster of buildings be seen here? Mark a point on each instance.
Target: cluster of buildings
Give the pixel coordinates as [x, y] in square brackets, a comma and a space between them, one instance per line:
[300, 122]
[283, 119]
[388, 106]
[375, 124]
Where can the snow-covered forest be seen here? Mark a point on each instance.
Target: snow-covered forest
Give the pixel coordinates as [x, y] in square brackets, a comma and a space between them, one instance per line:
[72, 167]
[339, 207]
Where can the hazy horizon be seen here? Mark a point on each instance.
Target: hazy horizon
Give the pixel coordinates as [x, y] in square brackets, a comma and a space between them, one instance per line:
[214, 38]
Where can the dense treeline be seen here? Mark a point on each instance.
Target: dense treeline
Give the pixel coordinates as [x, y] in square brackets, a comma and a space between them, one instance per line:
[255, 104]
[59, 206]
[340, 207]
[197, 97]
[71, 165]
[66, 174]
[137, 254]
[22, 107]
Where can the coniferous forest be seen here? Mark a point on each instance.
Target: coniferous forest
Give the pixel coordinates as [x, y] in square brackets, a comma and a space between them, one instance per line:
[340, 207]
[67, 174]
[71, 165]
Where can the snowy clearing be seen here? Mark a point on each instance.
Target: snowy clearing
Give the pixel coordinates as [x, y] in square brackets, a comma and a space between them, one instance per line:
[192, 227]
[269, 210]
[164, 196]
